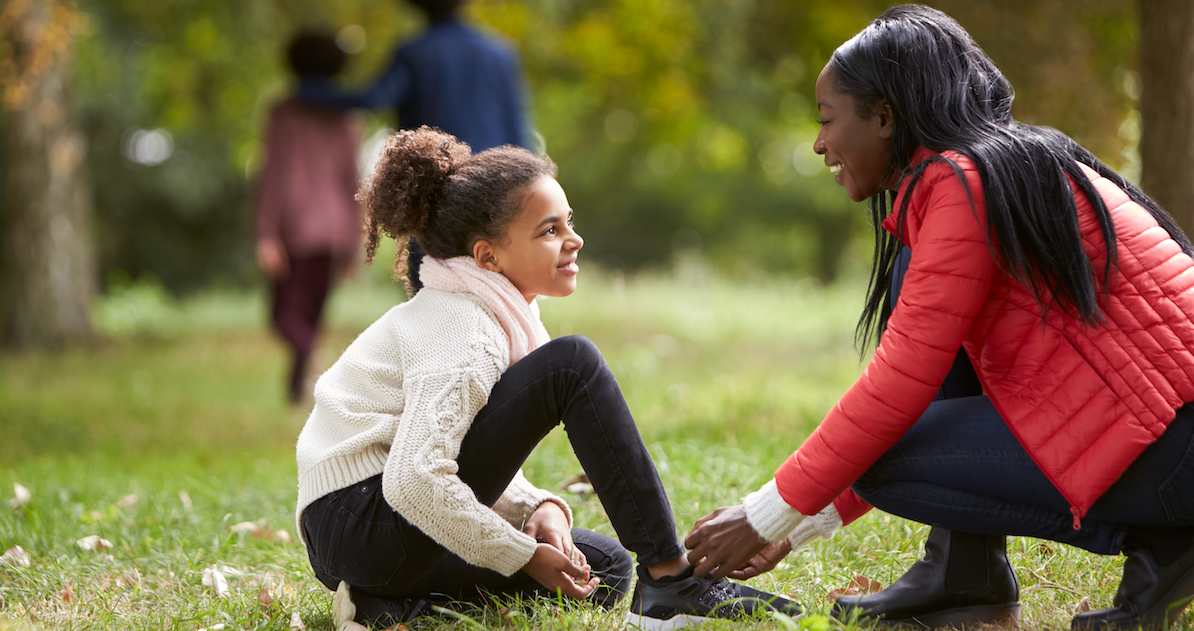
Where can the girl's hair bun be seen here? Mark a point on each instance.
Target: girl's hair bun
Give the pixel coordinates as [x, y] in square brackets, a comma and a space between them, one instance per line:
[411, 175]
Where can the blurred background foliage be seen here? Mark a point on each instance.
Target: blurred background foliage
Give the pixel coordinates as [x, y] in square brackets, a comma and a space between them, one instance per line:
[680, 126]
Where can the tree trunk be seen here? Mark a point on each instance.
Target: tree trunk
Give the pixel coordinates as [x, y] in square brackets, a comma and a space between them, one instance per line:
[1167, 106]
[48, 271]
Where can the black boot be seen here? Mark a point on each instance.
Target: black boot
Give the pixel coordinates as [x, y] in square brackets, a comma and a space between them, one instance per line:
[1157, 584]
[963, 580]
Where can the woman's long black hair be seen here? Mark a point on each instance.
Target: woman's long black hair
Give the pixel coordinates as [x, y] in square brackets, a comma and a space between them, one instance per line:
[946, 94]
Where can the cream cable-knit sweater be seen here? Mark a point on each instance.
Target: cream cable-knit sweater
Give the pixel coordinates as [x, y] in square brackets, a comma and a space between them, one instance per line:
[399, 402]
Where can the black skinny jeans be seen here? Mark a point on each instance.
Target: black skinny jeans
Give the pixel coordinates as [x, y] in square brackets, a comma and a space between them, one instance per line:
[354, 535]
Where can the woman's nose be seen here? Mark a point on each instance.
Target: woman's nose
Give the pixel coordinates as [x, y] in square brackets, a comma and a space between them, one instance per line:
[819, 146]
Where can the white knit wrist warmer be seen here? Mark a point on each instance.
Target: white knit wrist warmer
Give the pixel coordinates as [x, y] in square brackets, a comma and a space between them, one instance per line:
[769, 514]
[823, 525]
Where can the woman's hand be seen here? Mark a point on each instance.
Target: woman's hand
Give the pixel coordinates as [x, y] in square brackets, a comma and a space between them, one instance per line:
[764, 561]
[548, 524]
[555, 571]
[723, 541]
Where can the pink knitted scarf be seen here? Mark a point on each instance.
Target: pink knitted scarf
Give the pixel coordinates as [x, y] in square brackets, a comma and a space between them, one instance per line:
[519, 320]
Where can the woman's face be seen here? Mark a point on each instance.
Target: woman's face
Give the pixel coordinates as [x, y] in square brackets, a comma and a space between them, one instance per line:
[539, 251]
[856, 149]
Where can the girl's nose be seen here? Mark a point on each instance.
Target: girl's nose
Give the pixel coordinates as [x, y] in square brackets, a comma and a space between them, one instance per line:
[819, 146]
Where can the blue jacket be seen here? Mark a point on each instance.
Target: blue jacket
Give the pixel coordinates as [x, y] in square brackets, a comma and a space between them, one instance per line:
[452, 77]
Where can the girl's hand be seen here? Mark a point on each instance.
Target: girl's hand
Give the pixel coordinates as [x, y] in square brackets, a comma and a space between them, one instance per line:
[557, 572]
[764, 561]
[271, 256]
[548, 524]
[723, 541]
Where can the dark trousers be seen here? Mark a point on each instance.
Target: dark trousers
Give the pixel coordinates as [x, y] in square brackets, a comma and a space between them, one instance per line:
[355, 536]
[960, 467]
[297, 310]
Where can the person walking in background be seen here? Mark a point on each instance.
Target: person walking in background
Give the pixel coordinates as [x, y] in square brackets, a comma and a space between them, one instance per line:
[308, 223]
[451, 77]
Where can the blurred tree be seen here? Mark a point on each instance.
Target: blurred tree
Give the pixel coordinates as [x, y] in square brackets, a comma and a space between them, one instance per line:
[48, 271]
[679, 125]
[1167, 106]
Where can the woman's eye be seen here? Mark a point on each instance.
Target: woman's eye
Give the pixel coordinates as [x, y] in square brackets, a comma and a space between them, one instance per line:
[822, 122]
[550, 230]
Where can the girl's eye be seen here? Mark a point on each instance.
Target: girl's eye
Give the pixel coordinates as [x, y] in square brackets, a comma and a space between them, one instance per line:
[550, 230]
[822, 122]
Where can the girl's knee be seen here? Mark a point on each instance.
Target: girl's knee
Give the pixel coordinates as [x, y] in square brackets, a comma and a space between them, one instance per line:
[575, 351]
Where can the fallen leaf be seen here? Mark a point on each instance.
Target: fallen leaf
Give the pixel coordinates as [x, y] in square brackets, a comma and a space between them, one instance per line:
[859, 584]
[15, 557]
[68, 593]
[264, 598]
[296, 622]
[214, 578]
[127, 501]
[578, 485]
[1083, 606]
[185, 498]
[22, 496]
[247, 527]
[283, 536]
[93, 543]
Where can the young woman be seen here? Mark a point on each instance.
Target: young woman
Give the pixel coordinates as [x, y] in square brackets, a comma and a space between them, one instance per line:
[1070, 296]
[410, 490]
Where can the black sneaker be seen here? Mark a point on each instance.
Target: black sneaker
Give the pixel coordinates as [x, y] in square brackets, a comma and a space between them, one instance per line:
[684, 600]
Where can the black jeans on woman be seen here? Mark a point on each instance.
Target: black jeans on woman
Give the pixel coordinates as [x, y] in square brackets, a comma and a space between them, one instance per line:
[394, 569]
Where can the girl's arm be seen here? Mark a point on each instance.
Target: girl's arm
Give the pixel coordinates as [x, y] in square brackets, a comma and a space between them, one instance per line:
[521, 499]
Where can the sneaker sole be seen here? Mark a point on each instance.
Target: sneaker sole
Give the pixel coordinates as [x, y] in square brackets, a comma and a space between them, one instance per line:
[678, 621]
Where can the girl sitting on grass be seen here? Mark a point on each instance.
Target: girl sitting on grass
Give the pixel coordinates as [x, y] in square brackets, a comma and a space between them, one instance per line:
[410, 489]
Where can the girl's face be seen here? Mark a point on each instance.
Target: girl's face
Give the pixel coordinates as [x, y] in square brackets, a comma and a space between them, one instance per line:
[856, 149]
[539, 251]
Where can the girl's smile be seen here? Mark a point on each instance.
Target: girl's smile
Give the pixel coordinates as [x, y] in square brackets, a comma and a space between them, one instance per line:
[539, 251]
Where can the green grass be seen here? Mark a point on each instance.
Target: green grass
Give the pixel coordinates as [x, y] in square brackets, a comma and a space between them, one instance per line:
[184, 410]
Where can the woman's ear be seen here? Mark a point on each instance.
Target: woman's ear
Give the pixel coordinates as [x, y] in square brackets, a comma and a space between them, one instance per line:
[886, 119]
[483, 254]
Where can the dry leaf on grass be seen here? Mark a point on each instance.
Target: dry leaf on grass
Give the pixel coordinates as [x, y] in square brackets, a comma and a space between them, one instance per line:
[1083, 606]
[296, 622]
[578, 485]
[22, 496]
[259, 530]
[859, 584]
[127, 501]
[68, 593]
[93, 543]
[185, 498]
[214, 578]
[16, 557]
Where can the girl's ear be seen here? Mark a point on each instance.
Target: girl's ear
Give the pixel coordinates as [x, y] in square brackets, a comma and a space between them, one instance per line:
[886, 119]
[483, 254]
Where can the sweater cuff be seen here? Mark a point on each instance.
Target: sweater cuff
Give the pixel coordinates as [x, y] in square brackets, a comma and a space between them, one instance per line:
[769, 514]
[514, 557]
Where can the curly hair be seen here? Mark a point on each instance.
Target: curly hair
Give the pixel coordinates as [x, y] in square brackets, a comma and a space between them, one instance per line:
[428, 185]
